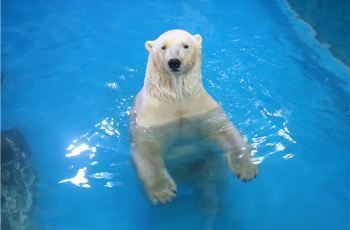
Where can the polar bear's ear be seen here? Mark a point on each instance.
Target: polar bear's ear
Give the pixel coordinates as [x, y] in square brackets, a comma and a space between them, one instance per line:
[198, 38]
[149, 45]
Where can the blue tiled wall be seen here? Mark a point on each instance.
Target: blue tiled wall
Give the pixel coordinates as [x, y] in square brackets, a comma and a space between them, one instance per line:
[331, 20]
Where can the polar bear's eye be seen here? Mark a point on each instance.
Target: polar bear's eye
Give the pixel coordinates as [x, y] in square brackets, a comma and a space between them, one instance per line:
[163, 47]
[186, 46]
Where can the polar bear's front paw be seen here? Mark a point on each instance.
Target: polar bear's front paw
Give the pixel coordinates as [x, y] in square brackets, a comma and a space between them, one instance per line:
[244, 168]
[162, 190]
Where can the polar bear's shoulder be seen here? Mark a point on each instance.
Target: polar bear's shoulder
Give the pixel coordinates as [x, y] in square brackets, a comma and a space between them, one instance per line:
[150, 111]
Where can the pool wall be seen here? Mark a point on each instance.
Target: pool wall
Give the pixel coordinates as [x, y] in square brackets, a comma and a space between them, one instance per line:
[331, 22]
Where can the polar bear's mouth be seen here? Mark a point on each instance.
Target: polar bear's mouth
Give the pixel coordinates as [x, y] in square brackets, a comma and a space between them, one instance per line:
[175, 71]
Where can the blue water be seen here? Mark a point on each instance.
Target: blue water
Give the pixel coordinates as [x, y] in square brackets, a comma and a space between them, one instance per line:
[72, 68]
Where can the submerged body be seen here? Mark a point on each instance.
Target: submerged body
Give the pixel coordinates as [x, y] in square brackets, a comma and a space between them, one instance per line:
[173, 105]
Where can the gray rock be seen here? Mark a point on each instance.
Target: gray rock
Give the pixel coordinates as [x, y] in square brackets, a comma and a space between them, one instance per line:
[17, 181]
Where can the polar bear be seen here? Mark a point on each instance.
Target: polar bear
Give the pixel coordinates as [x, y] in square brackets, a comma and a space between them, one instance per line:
[173, 104]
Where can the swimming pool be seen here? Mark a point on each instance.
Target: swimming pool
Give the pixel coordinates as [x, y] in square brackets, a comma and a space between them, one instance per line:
[71, 71]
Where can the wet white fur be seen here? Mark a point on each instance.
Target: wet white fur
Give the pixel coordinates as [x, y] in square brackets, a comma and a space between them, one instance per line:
[166, 98]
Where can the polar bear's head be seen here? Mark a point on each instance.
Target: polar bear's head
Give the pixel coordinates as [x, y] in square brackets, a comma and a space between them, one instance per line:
[175, 52]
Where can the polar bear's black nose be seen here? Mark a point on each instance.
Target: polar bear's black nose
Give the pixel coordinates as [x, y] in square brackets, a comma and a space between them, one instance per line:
[174, 63]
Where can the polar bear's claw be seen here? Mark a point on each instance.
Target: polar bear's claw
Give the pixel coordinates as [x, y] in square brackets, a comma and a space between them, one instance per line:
[244, 170]
[162, 191]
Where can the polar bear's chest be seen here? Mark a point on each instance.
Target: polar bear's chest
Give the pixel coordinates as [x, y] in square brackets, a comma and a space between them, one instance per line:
[180, 130]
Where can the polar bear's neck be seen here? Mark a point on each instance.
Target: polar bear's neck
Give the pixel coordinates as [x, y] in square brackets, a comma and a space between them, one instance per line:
[165, 87]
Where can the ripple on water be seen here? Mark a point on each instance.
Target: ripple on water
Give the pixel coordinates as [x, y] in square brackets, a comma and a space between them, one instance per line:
[97, 156]
[92, 153]
[249, 103]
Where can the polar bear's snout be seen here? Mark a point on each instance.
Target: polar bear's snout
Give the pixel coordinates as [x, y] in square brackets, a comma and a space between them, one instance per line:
[174, 64]
[175, 58]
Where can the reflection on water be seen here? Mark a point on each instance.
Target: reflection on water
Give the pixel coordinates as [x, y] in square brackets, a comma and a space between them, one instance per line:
[79, 179]
[101, 175]
[99, 140]
[97, 156]
[272, 134]
[79, 149]
[107, 125]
